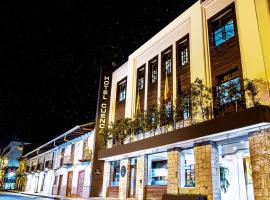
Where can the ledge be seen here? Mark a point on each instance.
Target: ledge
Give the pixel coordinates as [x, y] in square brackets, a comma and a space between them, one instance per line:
[248, 117]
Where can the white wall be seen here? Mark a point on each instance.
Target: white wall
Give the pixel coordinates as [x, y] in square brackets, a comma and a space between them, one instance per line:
[77, 166]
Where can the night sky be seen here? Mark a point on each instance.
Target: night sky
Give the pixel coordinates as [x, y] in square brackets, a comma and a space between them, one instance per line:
[51, 54]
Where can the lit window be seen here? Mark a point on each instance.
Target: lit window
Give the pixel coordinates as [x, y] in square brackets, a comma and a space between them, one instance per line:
[140, 83]
[183, 52]
[158, 169]
[168, 66]
[153, 67]
[223, 28]
[188, 168]
[229, 90]
[115, 173]
[186, 108]
[141, 75]
[122, 91]
[167, 62]
[168, 108]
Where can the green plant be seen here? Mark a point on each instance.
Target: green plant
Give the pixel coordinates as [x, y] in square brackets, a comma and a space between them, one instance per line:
[152, 119]
[252, 91]
[224, 183]
[105, 136]
[200, 96]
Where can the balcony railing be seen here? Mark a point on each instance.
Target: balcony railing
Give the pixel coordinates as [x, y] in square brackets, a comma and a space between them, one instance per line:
[199, 104]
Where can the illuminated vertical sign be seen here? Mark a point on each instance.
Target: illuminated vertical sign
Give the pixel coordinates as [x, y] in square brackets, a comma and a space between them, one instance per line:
[102, 117]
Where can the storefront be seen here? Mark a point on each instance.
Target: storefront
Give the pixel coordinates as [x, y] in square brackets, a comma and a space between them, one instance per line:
[236, 171]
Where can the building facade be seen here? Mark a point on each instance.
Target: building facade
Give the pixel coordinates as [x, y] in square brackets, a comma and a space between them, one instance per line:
[62, 166]
[11, 154]
[214, 59]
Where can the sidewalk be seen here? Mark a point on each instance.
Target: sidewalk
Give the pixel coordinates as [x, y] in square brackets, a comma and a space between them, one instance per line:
[64, 198]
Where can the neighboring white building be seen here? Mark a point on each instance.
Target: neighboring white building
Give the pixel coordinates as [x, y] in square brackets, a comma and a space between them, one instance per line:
[62, 166]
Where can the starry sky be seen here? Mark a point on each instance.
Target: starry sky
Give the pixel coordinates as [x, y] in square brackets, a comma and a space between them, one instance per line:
[51, 53]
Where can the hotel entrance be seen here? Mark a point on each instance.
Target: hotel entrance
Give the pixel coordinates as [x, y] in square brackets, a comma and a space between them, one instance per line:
[132, 178]
[235, 171]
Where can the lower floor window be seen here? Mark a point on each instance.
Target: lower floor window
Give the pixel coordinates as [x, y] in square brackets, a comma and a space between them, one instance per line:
[115, 173]
[188, 169]
[157, 169]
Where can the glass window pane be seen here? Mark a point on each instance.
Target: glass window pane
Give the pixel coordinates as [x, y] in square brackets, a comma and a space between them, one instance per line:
[188, 169]
[115, 173]
[157, 169]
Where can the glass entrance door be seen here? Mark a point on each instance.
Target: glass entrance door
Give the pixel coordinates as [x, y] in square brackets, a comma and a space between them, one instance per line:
[132, 178]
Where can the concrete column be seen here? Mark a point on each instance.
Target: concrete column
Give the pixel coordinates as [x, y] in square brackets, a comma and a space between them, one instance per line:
[106, 178]
[173, 171]
[124, 181]
[207, 172]
[259, 144]
[141, 176]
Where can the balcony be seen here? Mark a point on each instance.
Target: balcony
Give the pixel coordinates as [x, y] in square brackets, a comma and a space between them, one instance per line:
[234, 123]
[87, 155]
[68, 160]
[197, 104]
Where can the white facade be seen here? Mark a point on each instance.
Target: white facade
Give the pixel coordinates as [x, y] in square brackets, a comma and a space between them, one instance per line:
[47, 181]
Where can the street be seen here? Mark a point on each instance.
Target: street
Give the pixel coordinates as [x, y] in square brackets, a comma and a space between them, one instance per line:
[13, 196]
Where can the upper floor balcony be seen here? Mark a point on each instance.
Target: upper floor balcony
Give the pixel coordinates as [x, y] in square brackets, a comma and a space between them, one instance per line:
[196, 105]
[68, 160]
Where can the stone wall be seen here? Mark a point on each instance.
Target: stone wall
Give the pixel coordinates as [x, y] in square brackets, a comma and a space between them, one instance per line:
[141, 176]
[207, 175]
[259, 144]
[173, 171]
[124, 181]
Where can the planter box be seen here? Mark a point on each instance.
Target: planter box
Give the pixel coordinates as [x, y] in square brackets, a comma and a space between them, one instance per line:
[183, 197]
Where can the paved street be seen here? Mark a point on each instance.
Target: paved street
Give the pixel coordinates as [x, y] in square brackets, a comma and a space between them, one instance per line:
[13, 196]
[16, 196]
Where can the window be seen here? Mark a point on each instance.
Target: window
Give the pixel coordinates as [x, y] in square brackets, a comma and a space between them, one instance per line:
[158, 169]
[188, 168]
[141, 79]
[167, 61]
[62, 157]
[122, 90]
[72, 153]
[115, 173]
[153, 67]
[223, 28]
[186, 107]
[229, 89]
[86, 151]
[183, 52]
[168, 109]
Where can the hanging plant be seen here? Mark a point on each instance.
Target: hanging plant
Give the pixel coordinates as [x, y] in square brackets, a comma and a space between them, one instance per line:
[224, 182]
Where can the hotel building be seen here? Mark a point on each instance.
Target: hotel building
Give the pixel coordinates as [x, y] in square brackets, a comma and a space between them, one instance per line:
[224, 154]
[63, 166]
